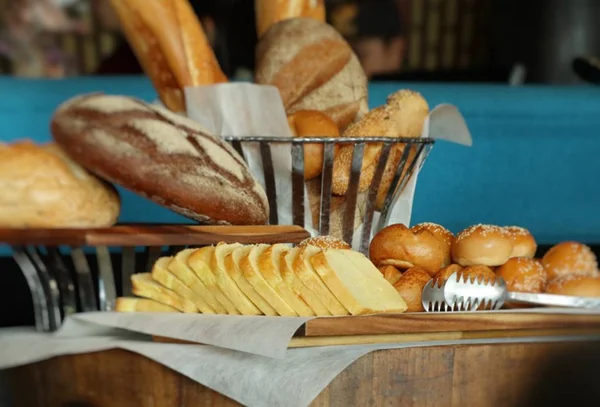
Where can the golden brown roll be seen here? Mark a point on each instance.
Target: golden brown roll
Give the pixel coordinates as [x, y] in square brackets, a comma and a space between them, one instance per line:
[390, 273]
[402, 116]
[576, 285]
[325, 242]
[478, 273]
[42, 188]
[487, 245]
[269, 12]
[523, 274]
[443, 234]
[441, 276]
[312, 123]
[569, 258]
[410, 287]
[399, 246]
[524, 244]
[170, 45]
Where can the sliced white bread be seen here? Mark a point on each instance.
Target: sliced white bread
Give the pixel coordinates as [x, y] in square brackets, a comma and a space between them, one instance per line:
[143, 285]
[252, 273]
[131, 304]
[161, 274]
[179, 267]
[269, 263]
[232, 267]
[226, 283]
[287, 260]
[199, 261]
[312, 280]
[355, 287]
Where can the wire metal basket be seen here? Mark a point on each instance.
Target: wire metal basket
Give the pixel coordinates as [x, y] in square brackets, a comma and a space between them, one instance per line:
[415, 151]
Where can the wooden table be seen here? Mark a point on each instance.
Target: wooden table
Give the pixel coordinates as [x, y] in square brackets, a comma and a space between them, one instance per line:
[484, 375]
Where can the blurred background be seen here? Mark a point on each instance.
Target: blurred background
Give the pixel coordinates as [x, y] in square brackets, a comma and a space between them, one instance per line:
[534, 41]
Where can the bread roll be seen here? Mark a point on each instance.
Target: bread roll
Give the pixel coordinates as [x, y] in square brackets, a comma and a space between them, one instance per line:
[576, 285]
[410, 287]
[523, 274]
[269, 12]
[314, 68]
[42, 188]
[402, 116]
[170, 45]
[162, 156]
[312, 123]
[325, 242]
[390, 273]
[482, 244]
[570, 258]
[524, 244]
[399, 246]
[443, 234]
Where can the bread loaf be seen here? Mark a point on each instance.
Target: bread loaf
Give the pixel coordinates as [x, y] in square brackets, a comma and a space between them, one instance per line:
[314, 68]
[269, 12]
[162, 156]
[143, 285]
[127, 304]
[42, 188]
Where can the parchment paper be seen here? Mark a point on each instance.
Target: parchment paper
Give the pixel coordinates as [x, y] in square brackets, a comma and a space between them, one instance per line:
[245, 110]
[252, 380]
[261, 335]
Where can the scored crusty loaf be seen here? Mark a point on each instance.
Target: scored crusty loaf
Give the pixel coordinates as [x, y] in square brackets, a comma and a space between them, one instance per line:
[179, 267]
[356, 282]
[314, 68]
[42, 188]
[143, 285]
[131, 304]
[252, 273]
[227, 285]
[170, 45]
[232, 267]
[161, 274]
[305, 271]
[162, 156]
[269, 12]
[269, 263]
[200, 262]
[287, 260]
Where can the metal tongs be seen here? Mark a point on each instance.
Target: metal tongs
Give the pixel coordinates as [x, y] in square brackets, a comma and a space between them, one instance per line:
[461, 292]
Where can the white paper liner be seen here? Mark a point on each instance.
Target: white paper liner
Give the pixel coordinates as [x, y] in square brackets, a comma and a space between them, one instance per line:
[252, 380]
[245, 110]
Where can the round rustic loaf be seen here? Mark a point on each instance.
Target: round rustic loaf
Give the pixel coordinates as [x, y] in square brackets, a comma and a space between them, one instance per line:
[162, 156]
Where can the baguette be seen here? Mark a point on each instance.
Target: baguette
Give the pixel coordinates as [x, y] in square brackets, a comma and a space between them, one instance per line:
[200, 262]
[252, 273]
[305, 271]
[232, 267]
[287, 260]
[362, 290]
[170, 45]
[226, 283]
[179, 267]
[130, 304]
[161, 274]
[144, 286]
[269, 263]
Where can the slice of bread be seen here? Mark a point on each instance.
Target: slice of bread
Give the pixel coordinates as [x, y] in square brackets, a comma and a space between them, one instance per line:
[232, 267]
[287, 260]
[199, 261]
[143, 285]
[306, 273]
[251, 271]
[356, 288]
[160, 273]
[269, 263]
[131, 304]
[226, 283]
[179, 267]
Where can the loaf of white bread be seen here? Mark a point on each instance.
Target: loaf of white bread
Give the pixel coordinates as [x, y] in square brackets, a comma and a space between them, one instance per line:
[263, 280]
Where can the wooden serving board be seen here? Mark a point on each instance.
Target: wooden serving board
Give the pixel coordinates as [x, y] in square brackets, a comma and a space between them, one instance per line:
[154, 235]
[422, 327]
